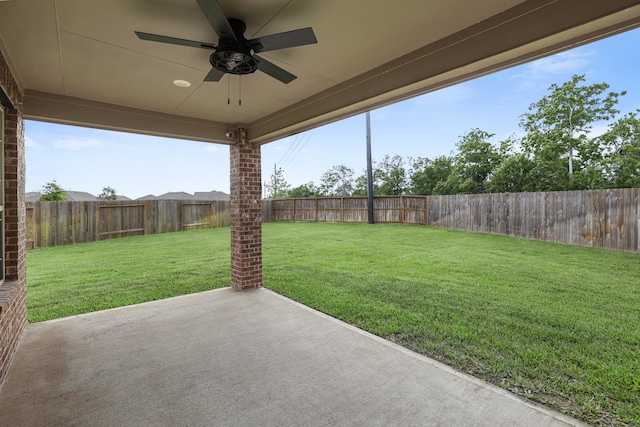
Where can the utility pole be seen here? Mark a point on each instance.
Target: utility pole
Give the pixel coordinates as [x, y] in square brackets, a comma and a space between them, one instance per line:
[369, 172]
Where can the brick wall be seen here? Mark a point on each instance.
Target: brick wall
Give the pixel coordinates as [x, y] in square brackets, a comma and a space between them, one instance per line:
[13, 320]
[13, 302]
[246, 214]
[14, 207]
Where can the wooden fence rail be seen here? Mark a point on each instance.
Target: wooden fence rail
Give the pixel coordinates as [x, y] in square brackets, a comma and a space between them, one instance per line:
[598, 218]
[65, 223]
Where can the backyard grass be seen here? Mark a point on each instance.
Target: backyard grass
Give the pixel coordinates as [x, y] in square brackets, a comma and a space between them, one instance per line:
[557, 324]
[67, 280]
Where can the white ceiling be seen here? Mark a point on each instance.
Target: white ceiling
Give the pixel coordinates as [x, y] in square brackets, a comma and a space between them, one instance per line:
[79, 61]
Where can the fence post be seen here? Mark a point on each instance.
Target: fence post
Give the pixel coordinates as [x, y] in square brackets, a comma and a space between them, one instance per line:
[97, 221]
[637, 191]
[212, 215]
[144, 218]
[426, 210]
[317, 209]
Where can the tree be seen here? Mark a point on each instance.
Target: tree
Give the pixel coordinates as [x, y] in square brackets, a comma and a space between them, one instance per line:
[305, 190]
[337, 181]
[622, 163]
[427, 174]
[52, 192]
[514, 172]
[361, 183]
[391, 175]
[475, 161]
[513, 175]
[466, 172]
[558, 130]
[277, 187]
[108, 193]
[360, 188]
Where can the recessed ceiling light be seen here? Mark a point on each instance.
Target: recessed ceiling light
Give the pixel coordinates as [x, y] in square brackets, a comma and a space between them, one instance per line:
[181, 83]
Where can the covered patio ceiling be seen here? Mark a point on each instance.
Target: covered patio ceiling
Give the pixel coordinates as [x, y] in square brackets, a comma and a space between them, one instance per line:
[79, 62]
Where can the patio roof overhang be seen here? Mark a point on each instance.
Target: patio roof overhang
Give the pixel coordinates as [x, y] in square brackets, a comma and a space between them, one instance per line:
[79, 62]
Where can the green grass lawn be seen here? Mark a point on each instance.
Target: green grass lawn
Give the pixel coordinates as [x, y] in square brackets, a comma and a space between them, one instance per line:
[67, 280]
[555, 323]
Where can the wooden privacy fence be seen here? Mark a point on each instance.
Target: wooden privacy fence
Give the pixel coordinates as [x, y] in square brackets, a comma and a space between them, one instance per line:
[599, 218]
[65, 223]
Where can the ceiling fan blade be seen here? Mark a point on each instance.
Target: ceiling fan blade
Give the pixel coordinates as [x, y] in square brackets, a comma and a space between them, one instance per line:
[173, 40]
[284, 40]
[274, 71]
[214, 75]
[217, 18]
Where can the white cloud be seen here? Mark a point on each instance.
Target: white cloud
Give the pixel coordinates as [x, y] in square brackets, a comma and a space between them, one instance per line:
[561, 63]
[76, 144]
[30, 143]
[212, 148]
[574, 61]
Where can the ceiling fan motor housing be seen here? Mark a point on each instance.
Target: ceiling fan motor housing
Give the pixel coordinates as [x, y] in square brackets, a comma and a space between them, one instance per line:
[234, 57]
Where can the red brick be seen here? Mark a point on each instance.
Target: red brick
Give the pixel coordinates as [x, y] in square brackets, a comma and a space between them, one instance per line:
[13, 301]
[245, 214]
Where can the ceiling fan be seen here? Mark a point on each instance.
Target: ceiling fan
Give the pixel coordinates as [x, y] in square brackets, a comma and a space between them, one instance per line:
[234, 54]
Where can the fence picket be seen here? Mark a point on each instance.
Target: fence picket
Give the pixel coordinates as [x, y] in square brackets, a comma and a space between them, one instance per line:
[598, 218]
[62, 223]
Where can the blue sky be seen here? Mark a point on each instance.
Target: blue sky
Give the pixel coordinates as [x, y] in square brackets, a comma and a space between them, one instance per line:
[84, 159]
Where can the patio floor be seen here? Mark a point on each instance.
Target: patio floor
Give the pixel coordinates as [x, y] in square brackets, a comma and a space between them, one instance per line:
[230, 358]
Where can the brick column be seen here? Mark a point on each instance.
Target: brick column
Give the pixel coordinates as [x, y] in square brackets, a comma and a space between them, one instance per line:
[13, 291]
[246, 213]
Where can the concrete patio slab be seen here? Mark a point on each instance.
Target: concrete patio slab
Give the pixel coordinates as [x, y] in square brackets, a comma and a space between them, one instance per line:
[228, 358]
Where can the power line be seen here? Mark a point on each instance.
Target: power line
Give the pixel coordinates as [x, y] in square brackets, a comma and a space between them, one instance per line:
[299, 150]
[289, 149]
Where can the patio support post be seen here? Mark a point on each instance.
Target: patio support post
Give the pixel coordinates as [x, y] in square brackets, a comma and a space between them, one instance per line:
[246, 213]
[13, 289]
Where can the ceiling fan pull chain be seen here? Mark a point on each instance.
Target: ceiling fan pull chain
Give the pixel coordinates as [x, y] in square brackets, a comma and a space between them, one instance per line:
[239, 89]
[229, 91]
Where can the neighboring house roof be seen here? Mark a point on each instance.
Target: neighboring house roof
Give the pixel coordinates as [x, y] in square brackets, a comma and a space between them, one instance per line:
[211, 195]
[79, 196]
[72, 196]
[82, 196]
[32, 196]
[181, 195]
[178, 195]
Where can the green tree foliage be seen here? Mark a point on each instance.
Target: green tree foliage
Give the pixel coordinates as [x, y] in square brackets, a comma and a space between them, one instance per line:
[559, 151]
[428, 176]
[513, 175]
[392, 176]
[558, 137]
[389, 178]
[305, 190]
[622, 162]
[277, 187]
[360, 186]
[474, 162]
[52, 192]
[337, 182]
[108, 193]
